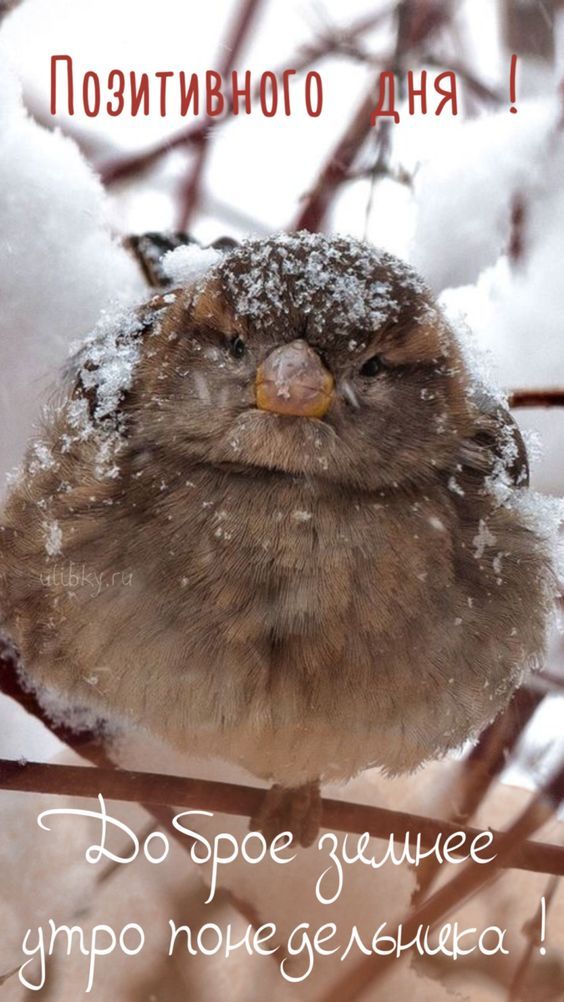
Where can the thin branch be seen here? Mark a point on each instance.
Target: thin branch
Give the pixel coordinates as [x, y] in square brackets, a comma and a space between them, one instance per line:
[400, 175]
[159, 790]
[416, 22]
[471, 879]
[532, 930]
[90, 746]
[480, 89]
[384, 137]
[489, 757]
[517, 230]
[6, 7]
[483, 764]
[9, 974]
[125, 167]
[536, 398]
[341, 161]
[423, 19]
[552, 681]
[336, 170]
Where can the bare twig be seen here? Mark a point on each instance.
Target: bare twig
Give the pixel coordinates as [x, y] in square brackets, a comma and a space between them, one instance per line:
[129, 166]
[536, 398]
[483, 764]
[423, 19]
[237, 36]
[91, 747]
[398, 174]
[7, 6]
[340, 163]
[516, 248]
[489, 757]
[471, 879]
[336, 170]
[528, 28]
[463, 72]
[384, 143]
[551, 681]
[416, 22]
[159, 790]
[532, 931]
[8, 974]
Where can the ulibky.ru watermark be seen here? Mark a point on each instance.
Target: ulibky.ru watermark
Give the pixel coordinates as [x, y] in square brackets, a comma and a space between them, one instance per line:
[72, 577]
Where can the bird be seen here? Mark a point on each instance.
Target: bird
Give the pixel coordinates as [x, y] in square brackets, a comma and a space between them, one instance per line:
[274, 516]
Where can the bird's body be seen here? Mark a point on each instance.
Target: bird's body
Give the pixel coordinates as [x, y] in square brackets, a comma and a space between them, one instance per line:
[308, 585]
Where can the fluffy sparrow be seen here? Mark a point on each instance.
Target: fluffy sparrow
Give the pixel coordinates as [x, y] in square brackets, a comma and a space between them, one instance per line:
[272, 517]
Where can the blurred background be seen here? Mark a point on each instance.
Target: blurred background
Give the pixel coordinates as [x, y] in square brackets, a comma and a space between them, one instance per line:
[475, 202]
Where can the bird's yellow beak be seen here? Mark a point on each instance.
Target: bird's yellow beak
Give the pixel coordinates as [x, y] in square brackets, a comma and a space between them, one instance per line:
[293, 380]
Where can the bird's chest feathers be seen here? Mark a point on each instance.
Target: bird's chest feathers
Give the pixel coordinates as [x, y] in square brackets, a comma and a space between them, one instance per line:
[292, 559]
[287, 555]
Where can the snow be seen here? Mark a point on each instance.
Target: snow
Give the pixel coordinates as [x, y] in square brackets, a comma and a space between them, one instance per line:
[513, 310]
[104, 364]
[455, 487]
[53, 538]
[261, 276]
[60, 264]
[483, 538]
[463, 192]
[42, 458]
[189, 263]
[514, 313]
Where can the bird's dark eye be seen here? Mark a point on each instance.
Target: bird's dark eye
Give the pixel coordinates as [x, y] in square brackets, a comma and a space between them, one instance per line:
[237, 347]
[372, 367]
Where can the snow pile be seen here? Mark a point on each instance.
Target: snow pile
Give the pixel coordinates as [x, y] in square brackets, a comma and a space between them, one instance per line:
[463, 193]
[106, 362]
[464, 197]
[60, 265]
[189, 263]
[516, 313]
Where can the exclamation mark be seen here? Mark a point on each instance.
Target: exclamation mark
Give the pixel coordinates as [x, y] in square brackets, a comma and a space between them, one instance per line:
[513, 85]
[542, 935]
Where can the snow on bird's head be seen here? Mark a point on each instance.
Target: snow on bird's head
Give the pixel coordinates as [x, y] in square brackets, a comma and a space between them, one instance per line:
[331, 281]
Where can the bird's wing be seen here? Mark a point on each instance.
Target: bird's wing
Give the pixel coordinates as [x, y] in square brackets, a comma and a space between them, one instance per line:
[497, 447]
[81, 365]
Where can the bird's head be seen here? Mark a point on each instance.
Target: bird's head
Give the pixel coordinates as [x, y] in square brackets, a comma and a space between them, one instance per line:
[307, 355]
